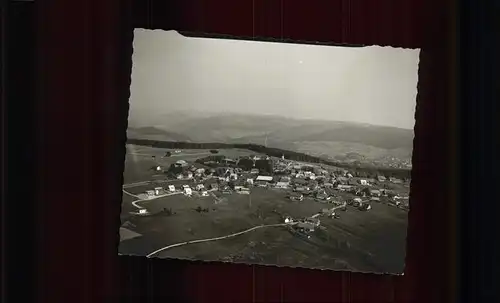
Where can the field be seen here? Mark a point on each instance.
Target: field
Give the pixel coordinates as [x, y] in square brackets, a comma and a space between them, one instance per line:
[372, 241]
[332, 149]
[139, 161]
[359, 240]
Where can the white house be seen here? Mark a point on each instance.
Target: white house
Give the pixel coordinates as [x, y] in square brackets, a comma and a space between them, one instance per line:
[363, 182]
[185, 186]
[264, 178]
[171, 188]
[158, 190]
[250, 181]
[204, 193]
[200, 187]
[188, 191]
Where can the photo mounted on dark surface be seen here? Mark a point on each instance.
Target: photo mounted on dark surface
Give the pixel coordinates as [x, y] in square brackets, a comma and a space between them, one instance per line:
[269, 153]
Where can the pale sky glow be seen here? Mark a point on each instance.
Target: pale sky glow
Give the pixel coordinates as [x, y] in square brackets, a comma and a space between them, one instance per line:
[376, 85]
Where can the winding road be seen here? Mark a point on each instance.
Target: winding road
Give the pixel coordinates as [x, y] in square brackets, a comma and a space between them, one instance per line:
[150, 199]
[217, 238]
[209, 239]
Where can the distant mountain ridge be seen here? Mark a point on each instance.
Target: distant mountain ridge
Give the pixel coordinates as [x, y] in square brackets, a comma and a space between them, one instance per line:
[319, 137]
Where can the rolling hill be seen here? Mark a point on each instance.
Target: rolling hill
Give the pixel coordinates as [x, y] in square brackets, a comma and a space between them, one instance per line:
[325, 138]
[153, 133]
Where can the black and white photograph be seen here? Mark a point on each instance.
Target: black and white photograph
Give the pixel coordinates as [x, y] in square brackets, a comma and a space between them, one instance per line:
[269, 153]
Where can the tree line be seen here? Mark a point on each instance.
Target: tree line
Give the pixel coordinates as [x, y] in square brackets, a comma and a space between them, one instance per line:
[361, 171]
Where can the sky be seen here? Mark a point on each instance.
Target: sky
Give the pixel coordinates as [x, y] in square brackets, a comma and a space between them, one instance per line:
[170, 72]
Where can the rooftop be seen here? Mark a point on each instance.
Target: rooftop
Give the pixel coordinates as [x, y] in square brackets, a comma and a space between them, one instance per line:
[264, 178]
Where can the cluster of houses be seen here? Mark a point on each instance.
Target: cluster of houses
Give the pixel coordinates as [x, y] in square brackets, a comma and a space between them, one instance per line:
[301, 180]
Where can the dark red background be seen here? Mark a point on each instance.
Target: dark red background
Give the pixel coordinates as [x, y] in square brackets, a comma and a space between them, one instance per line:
[83, 78]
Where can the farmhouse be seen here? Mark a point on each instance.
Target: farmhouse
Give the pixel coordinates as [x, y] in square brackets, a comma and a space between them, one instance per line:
[185, 175]
[356, 202]
[363, 182]
[313, 220]
[229, 161]
[181, 163]
[158, 191]
[200, 187]
[171, 188]
[306, 226]
[296, 196]
[188, 191]
[264, 178]
[283, 185]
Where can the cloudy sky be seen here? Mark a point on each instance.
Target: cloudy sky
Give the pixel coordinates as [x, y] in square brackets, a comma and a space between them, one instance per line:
[376, 85]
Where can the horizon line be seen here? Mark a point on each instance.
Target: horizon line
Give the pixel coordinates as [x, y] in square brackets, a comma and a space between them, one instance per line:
[229, 113]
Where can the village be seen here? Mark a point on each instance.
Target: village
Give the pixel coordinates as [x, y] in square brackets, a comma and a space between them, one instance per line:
[217, 176]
